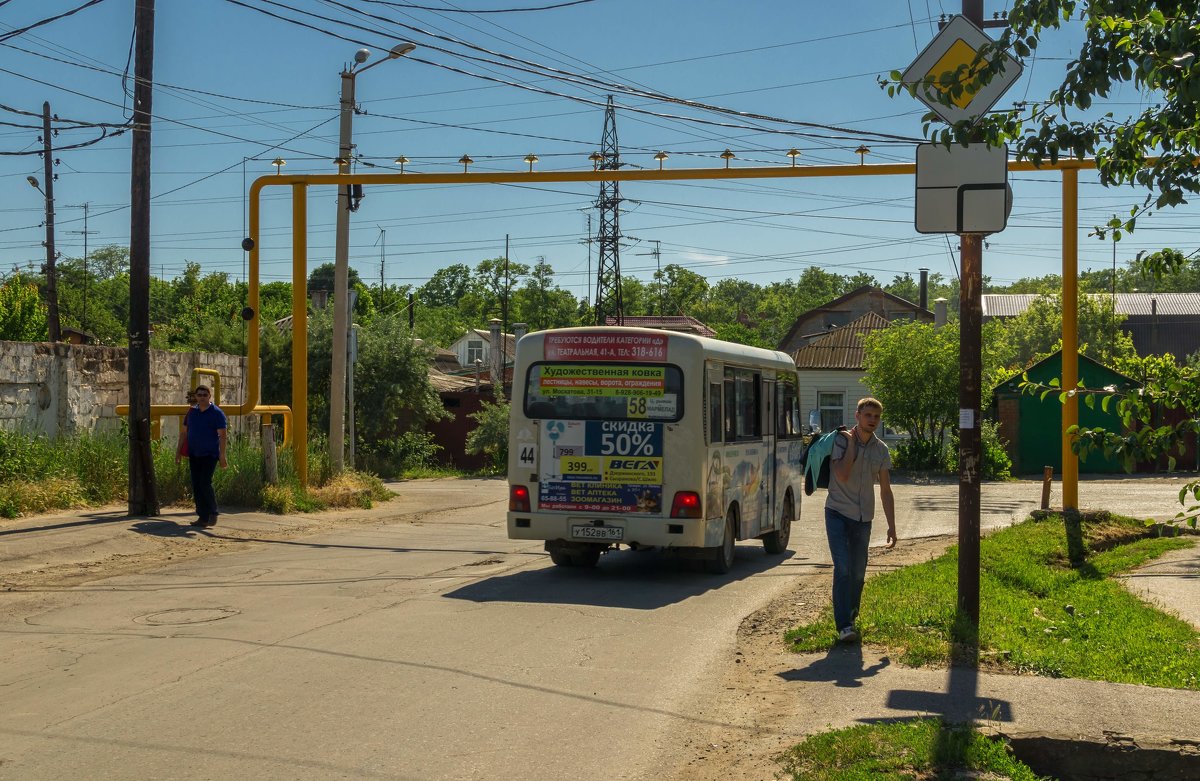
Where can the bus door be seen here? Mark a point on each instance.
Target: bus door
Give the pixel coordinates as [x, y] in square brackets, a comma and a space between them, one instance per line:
[788, 443]
[769, 503]
[744, 452]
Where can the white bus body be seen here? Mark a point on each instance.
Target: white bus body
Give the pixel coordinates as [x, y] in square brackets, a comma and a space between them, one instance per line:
[646, 438]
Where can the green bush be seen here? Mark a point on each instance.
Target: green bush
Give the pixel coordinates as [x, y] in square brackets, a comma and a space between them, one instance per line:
[996, 463]
[917, 455]
[411, 451]
[490, 436]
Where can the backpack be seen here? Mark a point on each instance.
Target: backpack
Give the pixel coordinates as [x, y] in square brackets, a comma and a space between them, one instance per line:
[815, 461]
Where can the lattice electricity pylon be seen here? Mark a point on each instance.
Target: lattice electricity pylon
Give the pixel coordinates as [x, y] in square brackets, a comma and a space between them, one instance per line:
[608, 271]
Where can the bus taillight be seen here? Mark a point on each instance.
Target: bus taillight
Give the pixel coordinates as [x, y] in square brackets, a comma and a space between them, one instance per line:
[685, 505]
[518, 499]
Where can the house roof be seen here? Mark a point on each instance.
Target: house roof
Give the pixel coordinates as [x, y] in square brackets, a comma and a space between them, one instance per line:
[441, 382]
[510, 341]
[1038, 368]
[924, 314]
[841, 348]
[1135, 304]
[679, 323]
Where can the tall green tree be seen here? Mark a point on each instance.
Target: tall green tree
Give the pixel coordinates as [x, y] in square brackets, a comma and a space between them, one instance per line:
[22, 313]
[1037, 332]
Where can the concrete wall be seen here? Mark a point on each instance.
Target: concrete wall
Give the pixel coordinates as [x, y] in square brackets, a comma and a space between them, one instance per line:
[65, 389]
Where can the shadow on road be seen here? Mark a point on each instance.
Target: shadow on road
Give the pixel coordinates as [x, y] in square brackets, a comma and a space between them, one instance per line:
[842, 666]
[637, 580]
[89, 519]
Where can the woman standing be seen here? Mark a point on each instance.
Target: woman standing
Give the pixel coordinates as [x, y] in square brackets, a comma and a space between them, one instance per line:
[202, 440]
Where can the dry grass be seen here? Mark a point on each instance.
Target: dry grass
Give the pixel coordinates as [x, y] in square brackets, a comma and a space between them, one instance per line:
[21, 497]
[350, 489]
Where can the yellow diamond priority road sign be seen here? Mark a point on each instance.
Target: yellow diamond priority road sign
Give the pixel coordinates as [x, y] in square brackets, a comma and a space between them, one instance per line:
[956, 46]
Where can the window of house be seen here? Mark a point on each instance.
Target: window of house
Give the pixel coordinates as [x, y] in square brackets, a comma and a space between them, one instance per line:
[833, 409]
[474, 351]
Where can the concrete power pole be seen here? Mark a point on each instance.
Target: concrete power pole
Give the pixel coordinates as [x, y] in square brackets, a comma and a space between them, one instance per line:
[51, 256]
[143, 493]
[341, 272]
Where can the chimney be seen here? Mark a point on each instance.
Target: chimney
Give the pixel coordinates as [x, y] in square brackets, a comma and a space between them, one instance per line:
[519, 330]
[319, 298]
[924, 288]
[939, 312]
[496, 353]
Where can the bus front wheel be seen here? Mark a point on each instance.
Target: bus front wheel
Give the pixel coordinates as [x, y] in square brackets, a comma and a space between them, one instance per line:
[776, 542]
[720, 558]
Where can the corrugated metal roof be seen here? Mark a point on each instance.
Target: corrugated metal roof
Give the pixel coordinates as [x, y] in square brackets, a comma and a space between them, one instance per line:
[841, 348]
[1167, 304]
[680, 323]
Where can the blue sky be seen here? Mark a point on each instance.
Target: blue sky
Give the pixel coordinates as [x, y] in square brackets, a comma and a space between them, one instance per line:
[236, 89]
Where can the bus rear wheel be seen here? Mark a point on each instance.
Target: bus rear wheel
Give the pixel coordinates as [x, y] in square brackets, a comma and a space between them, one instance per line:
[720, 558]
[776, 542]
[574, 556]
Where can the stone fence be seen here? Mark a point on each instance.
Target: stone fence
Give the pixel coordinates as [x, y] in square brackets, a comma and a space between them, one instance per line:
[64, 389]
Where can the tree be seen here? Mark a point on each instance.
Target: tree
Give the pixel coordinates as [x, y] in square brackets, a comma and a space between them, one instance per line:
[912, 368]
[391, 382]
[678, 291]
[22, 313]
[321, 278]
[541, 303]
[1037, 332]
[446, 287]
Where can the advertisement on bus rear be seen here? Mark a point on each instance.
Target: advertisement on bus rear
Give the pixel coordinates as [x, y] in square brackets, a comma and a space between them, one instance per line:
[611, 466]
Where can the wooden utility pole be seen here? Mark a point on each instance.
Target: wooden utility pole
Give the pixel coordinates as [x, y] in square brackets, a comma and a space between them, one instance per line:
[970, 378]
[143, 493]
[51, 255]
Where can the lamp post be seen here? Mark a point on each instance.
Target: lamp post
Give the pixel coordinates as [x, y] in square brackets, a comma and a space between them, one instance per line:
[341, 260]
[55, 329]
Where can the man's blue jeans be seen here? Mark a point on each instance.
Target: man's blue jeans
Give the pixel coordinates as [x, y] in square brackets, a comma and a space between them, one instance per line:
[848, 542]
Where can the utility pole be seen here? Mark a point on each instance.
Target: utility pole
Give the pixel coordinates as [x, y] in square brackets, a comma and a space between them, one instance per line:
[504, 301]
[608, 270]
[382, 256]
[657, 255]
[341, 273]
[87, 282]
[143, 493]
[51, 257]
[970, 376]
[341, 257]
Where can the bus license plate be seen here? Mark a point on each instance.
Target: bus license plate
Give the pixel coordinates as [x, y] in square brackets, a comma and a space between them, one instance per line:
[597, 532]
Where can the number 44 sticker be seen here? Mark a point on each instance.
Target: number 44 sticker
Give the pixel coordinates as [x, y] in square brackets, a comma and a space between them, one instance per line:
[527, 455]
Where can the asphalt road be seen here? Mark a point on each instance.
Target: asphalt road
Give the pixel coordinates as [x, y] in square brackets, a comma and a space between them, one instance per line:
[428, 647]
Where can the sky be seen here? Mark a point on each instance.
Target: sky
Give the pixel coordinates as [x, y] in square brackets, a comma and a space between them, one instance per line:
[236, 88]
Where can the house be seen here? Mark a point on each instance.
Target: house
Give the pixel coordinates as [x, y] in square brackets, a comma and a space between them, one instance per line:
[681, 324]
[831, 370]
[476, 344]
[846, 309]
[1157, 322]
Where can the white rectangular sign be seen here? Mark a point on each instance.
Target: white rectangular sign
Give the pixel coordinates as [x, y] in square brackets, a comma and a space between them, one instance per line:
[962, 189]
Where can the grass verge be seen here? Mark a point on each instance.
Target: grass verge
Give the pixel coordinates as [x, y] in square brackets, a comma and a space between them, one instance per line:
[924, 748]
[39, 475]
[1049, 605]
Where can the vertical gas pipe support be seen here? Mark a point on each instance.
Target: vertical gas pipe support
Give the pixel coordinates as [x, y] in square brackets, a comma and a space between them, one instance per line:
[1070, 331]
[300, 330]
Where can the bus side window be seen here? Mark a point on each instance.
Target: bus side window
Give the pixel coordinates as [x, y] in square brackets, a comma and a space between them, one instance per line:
[714, 412]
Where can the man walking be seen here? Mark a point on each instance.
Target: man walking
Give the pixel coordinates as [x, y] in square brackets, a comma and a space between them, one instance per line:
[202, 439]
[858, 460]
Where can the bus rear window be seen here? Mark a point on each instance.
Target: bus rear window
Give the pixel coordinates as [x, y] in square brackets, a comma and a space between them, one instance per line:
[604, 391]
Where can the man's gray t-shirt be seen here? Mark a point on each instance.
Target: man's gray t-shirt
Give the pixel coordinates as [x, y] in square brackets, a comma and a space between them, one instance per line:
[855, 498]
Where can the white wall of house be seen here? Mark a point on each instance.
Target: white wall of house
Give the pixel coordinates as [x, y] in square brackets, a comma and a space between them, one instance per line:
[470, 346]
[833, 392]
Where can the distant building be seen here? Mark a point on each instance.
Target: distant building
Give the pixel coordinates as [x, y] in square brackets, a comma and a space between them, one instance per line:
[1157, 322]
[680, 324]
[841, 311]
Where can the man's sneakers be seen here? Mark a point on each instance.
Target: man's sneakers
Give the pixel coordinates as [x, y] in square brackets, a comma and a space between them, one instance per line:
[848, 634]
[205, 523]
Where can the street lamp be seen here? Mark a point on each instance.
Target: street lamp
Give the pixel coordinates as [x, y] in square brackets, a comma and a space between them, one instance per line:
[400, 161]
[793, 153]
[862, 153]
[727, 156]
[661, 157]
[341, 260]
[531, 158]
[279, 163]
[33, 182]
